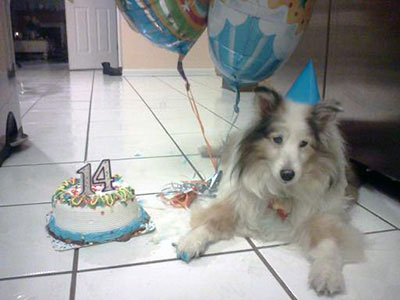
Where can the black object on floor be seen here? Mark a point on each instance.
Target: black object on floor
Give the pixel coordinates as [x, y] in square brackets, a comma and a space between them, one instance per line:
[108, 70]
[375, 144]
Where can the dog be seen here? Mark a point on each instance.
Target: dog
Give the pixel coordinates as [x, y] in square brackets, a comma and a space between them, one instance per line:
[284, 178]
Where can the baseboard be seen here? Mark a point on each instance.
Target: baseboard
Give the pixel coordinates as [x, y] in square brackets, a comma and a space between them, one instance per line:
[168, 72]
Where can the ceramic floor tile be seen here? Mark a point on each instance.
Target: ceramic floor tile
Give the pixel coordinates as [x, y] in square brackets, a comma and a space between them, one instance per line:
[33, 184]
[31, 91]
[112, 94]
[163, 101]
[131, 146]
[149, 175]
[66, 96]
[182, 120]
[121, 122]
[147, 125]
[171, 224]
[59, 129]
[139, 116]
[375, 278]
[365, 221]
[214, 82]
[55, 150]
[49, 287]
[53, 118]
[203, 91]
[233, 276]
[222, 104]
[190, 142]
[132, 105]
[382, 205]
[25, 106]
[24, 245]
[148, 84]
[62, 107]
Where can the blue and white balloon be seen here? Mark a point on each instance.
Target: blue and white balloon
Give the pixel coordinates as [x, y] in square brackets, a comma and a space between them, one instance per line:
[249, 40]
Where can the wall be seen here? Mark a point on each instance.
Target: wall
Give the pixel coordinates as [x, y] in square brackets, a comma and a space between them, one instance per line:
[138, 53]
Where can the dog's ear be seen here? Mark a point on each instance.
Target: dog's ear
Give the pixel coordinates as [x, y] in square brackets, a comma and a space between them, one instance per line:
[268, 100]
[325, 113]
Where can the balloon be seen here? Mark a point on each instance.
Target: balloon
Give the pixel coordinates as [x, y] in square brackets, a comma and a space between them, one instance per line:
[171, 24]
[250, 39]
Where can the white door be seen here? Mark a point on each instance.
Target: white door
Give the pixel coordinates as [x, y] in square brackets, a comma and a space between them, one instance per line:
[91, 33]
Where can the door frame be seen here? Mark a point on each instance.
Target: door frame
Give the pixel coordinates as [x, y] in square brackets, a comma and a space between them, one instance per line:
[119, 41]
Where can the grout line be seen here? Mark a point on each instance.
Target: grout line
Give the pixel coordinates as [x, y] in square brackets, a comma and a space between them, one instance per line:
[35, 275]
[381, 231]
[328, 32]
[72, 290]
[376, 215]
[128, 265]
[271, 269]
[160, 261]
[30, 108]
[227, 252]
[272, 246]
[203, 106]
[165, 129]
[90, 112]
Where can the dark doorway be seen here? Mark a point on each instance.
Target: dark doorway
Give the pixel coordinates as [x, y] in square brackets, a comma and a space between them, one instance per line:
[39, 30]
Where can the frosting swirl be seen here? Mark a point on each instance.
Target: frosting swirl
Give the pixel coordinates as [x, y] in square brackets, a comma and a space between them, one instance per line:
[68, 193]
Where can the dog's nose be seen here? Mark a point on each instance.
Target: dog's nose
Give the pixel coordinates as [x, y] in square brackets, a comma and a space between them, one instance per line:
[287, 175]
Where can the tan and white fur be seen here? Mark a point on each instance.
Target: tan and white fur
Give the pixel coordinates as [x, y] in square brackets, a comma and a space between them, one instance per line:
[292, 154]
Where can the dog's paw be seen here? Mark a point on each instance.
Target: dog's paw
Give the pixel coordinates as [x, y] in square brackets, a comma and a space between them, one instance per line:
[189, 247]
[326, 278]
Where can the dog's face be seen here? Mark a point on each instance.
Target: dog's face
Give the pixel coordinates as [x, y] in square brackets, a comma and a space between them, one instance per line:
[286, 137]
[288, 142]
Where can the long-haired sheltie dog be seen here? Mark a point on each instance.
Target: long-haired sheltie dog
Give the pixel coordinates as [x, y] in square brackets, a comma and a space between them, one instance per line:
[284, 179]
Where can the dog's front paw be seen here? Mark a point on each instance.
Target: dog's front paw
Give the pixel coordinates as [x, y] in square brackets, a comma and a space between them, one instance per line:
[326, 278]
[189, 247]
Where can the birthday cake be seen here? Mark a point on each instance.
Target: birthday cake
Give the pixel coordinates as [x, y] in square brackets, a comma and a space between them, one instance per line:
[98, 217]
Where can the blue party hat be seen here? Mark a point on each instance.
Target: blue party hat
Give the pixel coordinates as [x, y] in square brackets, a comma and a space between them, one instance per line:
[305, 88]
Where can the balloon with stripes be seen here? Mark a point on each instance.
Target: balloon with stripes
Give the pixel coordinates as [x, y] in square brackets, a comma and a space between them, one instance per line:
[171, 24]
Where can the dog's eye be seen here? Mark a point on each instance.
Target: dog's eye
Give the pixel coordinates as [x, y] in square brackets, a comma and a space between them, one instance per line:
[303, 144]
[277, 140]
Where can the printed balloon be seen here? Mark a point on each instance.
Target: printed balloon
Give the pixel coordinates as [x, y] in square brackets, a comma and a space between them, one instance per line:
[171, 24]
[250, 39]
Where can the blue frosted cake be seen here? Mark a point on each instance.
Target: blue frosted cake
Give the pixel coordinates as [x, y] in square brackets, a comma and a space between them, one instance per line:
[98, 218]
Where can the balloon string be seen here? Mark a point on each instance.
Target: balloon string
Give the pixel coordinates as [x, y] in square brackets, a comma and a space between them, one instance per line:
[195, 110]
[236, 107]
[234, 118]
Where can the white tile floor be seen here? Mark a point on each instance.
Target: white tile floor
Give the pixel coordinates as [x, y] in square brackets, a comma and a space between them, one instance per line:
[144, 124]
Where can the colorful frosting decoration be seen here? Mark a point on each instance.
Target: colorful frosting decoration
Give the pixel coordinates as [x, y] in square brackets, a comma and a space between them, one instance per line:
[78, 219]
[69, 193]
